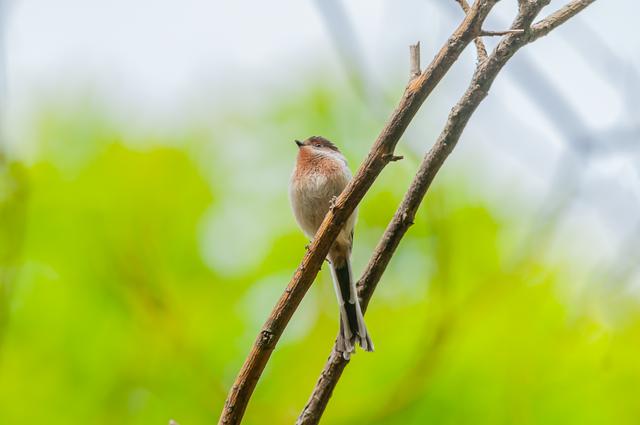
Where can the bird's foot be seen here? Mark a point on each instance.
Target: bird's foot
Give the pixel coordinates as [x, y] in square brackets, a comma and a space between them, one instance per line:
[332, 202]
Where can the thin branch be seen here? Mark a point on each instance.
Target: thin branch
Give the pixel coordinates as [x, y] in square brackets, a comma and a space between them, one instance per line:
[464, 5]
[414, 58]
[562, 15]
[480, 47]
[458, 118]
[414, 95]
[485, 33]
[391, 157]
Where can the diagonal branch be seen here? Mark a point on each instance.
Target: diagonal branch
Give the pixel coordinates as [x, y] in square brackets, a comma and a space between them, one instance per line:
[382, 151]
[458, 118]
[480, 47]
[562, 15]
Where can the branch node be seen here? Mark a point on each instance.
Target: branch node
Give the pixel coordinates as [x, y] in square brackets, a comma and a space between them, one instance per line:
[480, 47]
[266, 338]
[389, 157]
[406, 220]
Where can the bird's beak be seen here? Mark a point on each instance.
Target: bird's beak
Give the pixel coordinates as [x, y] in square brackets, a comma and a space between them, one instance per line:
[299, 143]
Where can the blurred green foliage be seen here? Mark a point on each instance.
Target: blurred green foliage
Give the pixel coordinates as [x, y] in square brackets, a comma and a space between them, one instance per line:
[137, 270]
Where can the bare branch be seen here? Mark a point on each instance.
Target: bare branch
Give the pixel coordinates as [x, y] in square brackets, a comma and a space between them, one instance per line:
[464, 5]
[480, 47]
[484, 33]
[562, 15]
[458, 118]
[414, 57]
[391, 157]
[415, 94]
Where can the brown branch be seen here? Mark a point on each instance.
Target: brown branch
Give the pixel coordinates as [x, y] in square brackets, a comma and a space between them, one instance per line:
[414, 57]
[480, 47]
[562, 15]
[414, 95]
[485, 33]
[464, 5]
[458, 118]
[391, 158]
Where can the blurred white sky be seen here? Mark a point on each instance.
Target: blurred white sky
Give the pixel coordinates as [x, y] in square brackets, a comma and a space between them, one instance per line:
[152, 55]
[154, 51]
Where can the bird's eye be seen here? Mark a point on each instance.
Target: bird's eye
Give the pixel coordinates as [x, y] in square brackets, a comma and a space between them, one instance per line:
[317, 145]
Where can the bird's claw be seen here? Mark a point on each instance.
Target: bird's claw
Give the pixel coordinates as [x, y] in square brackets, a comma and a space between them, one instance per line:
[332, 202]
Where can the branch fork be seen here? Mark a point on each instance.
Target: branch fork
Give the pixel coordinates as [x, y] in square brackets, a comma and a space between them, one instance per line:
[486, 72]
[419, 88]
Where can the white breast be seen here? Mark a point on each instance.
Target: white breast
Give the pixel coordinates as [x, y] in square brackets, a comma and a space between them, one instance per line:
[311, 197]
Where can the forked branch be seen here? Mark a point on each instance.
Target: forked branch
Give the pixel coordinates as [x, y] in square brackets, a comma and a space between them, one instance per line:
[480, 47]
[414, 95]
[458, 118]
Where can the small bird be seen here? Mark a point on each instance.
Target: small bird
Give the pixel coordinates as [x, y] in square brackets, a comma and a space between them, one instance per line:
[320, 175]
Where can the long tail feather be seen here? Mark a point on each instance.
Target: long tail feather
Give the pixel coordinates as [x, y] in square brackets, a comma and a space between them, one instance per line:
[352, 326]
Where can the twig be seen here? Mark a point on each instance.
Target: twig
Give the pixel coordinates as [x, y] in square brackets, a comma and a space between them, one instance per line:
[485, 33]
[464, 5]
[392, 158]
[403, 218]
[414, 57]
[480, 47]
[414, 95]
[562, 15]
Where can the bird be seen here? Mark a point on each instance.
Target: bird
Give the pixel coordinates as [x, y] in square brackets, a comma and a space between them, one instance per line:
[321, 173]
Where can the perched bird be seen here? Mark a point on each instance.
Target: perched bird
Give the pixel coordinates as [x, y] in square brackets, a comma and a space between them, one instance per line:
[320, 175]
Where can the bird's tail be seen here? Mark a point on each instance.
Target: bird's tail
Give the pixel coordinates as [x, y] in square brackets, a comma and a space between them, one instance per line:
[352, 327]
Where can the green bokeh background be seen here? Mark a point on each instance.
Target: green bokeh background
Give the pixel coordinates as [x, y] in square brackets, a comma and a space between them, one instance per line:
[138, 266]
